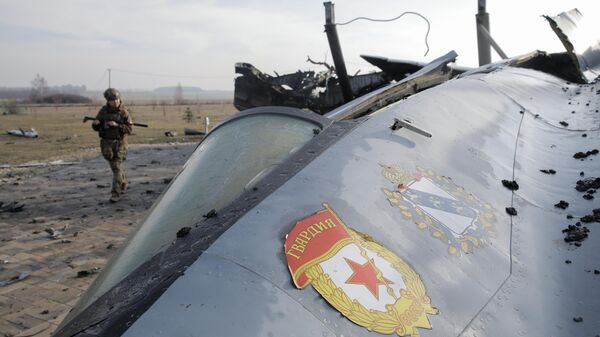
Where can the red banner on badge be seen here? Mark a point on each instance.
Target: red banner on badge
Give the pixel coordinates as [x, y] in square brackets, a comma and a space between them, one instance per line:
[312, 240]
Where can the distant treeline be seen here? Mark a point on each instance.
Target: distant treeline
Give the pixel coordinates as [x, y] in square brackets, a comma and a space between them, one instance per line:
[26, 93]
[53, 95]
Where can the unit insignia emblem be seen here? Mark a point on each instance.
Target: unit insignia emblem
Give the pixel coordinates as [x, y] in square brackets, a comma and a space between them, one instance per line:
[437, 204]
[360, 278]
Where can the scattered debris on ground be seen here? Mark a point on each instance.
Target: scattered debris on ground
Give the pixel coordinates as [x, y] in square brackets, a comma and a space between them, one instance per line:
[88, 272]
[562, 204]
[31, 133]
[54, 234]
[549, 171]
[14, 279]
[511, 211]
[64, 198]
[11, 207]
[170, 133]
[193, 132]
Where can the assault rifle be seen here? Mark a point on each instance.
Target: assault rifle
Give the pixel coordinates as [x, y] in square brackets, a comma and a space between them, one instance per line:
[86, 118]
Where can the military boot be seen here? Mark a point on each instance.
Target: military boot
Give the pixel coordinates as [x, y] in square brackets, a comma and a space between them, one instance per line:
[124, 186]
[115, 197]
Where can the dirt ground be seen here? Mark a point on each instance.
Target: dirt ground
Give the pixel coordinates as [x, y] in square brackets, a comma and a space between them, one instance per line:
[63, 135]
[67, 226]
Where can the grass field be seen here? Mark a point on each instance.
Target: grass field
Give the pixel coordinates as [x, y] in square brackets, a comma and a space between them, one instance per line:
[63, 135]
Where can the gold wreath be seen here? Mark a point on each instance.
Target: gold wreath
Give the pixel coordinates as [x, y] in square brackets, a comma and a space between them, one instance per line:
[466, 243]
[396, 174]
[403, 317]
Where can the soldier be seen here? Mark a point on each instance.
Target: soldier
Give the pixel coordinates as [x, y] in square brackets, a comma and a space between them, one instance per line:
[113, 124]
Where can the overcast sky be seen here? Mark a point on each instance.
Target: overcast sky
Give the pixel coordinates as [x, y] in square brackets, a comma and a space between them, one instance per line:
[197, 43]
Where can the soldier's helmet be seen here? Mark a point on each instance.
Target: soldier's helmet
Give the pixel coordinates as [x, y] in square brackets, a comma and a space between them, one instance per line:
[112, 94]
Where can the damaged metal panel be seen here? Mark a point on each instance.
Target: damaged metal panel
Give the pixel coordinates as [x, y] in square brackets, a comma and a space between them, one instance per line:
[396, 69]
[556, 64]
[432, 74]
[582, 48]
[317, 91]
[399, 69]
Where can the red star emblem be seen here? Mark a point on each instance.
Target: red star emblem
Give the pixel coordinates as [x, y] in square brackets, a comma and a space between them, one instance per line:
[366, 274]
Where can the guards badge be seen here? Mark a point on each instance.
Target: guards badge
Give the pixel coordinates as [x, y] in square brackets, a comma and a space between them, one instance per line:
[360, 278]
[437, 204]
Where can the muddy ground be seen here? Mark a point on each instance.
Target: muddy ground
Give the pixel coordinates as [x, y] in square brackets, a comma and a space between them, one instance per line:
[67, 227]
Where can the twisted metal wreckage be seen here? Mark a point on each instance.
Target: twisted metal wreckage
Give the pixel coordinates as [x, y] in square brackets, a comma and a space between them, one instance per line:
[322, 92]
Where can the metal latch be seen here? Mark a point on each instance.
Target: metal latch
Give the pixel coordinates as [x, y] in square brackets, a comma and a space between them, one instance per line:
[405, 123]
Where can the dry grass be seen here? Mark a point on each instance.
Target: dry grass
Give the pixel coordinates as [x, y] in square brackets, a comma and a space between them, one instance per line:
[62, 135]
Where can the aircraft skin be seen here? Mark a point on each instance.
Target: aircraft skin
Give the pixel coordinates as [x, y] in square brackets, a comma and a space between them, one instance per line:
[438, 205]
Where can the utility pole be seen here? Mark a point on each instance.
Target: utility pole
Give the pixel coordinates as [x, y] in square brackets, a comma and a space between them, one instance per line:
[482, 19]
[336, 52]
[109, 77]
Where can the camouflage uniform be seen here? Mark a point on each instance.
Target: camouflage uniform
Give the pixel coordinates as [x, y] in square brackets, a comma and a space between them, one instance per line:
[113, 142]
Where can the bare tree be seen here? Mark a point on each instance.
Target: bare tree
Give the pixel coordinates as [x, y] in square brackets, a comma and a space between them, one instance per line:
[39, 86]
[178, 98]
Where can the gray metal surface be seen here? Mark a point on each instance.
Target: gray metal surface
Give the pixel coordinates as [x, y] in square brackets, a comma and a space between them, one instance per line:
[552, 283]
[228, 300]
[515, 283]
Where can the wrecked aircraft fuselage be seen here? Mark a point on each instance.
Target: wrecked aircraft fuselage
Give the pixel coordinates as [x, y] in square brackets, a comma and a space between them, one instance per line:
[400, 219]
[317, 91]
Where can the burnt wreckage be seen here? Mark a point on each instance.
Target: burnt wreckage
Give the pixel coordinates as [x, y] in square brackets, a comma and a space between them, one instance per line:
[322, 91]
[317, 91]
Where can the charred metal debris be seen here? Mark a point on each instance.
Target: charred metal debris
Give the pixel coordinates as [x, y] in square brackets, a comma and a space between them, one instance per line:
[321, 91]
[317, 91]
